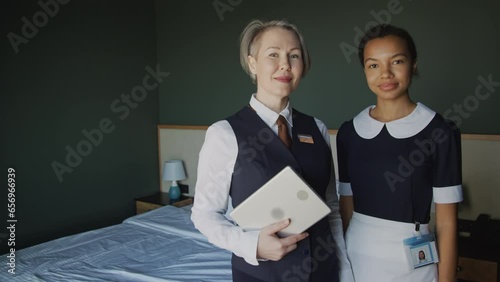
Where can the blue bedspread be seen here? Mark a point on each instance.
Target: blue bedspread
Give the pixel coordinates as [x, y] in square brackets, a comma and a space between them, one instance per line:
[160, 245]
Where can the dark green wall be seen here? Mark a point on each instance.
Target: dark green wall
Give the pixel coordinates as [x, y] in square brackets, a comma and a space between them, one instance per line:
[458, 41]
[63, 81]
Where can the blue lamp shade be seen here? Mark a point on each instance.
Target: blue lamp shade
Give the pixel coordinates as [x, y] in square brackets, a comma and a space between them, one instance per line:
[173, 170]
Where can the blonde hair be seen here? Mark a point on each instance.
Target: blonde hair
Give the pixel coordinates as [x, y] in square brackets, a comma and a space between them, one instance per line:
[252, 33]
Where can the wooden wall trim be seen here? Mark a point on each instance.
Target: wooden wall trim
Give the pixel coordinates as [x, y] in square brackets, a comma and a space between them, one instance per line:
[192, 127]
[486, 137]
[333, 131]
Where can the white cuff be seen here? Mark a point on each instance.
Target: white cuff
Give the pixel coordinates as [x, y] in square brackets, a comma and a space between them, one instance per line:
[447, 195]
[345, 189]
[250, 240]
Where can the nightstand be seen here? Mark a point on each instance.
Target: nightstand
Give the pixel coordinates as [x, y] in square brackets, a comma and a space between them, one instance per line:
[158, 200]
[476, 262]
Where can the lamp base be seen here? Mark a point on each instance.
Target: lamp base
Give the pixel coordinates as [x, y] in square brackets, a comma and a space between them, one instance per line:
[174, 193]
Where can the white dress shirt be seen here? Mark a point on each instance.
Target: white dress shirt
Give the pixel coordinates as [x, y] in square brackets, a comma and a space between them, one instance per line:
[212, 205]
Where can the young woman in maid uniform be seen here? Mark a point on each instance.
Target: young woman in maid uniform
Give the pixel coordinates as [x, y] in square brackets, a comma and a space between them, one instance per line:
[395, 158]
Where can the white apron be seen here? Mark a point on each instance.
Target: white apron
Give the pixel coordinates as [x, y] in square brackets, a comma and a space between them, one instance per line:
[376, 251]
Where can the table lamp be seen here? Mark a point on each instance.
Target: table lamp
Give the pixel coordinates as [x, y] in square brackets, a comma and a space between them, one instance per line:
[173, 170]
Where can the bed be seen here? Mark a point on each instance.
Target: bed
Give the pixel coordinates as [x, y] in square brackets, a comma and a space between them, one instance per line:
[160, 245]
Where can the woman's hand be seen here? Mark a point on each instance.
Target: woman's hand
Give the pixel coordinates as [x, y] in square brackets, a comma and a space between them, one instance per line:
[271, 247]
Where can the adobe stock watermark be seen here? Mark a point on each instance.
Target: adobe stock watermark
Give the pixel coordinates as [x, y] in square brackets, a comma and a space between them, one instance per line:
[121, 106]
[223, 6]
[427, 147]
[416, 158]
[40, 19]
[249, 150]
[322, 252]
[471, 103]
[394, 7]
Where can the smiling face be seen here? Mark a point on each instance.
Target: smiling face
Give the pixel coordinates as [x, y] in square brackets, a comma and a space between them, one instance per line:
[421, 255]
[388, 67]
[277, 64]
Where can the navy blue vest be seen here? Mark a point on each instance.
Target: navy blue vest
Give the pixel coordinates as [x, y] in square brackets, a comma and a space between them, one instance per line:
[261, 155]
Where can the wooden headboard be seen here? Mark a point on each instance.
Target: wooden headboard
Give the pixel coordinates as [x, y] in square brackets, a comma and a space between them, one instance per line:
[480, 164]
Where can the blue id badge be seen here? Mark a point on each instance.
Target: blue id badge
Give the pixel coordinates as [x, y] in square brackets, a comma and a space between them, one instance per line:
[421, 250]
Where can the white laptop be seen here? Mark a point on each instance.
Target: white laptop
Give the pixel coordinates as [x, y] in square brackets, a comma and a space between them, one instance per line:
[286, 195]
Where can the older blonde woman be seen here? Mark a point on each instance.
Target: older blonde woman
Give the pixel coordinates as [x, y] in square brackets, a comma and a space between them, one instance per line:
[244, 151]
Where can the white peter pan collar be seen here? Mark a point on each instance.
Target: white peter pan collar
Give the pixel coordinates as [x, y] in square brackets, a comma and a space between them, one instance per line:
[368, 127]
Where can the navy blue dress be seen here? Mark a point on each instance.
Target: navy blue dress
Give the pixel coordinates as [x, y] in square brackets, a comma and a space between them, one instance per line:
[395, 169]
